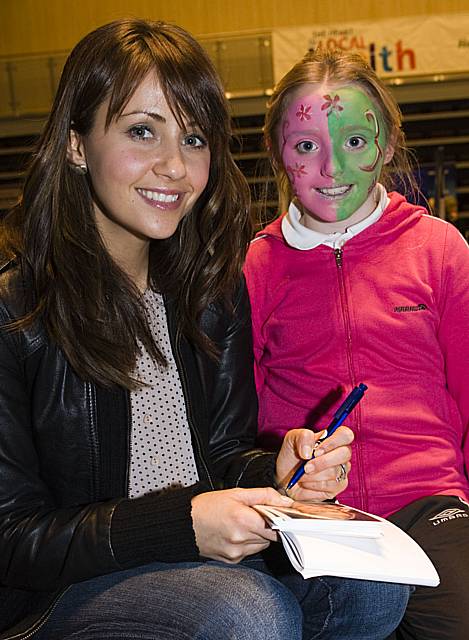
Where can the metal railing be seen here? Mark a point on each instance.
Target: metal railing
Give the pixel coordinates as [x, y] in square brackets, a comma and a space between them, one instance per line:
[28, 83]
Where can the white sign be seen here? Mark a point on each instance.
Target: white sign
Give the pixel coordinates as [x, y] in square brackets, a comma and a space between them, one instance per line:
[394, 48]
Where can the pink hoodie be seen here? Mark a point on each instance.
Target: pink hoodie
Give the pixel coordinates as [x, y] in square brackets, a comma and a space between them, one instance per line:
[391, 310]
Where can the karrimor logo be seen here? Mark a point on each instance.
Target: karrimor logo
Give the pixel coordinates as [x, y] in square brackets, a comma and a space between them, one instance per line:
[447, 515]
[410, 308]
[383, 58]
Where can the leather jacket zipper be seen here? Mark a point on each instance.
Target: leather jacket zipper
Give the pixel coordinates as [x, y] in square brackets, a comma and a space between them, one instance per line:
[129, 443]
[29, 633]
[185, 389]
[94, 439]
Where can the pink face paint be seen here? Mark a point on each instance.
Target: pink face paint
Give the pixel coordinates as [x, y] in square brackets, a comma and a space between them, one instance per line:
[304, 127]
[332, 105]
[331, 147]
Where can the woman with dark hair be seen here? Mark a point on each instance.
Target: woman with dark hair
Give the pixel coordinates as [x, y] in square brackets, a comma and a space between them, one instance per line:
[127, 407]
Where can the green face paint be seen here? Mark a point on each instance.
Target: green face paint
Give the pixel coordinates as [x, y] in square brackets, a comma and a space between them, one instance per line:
[333, 150]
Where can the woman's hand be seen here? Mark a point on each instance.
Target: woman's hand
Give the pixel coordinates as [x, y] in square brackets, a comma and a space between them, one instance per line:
[226, 526]
[324, 477]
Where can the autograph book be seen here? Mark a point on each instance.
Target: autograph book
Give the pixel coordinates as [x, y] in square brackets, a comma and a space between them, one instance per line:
[337, 540]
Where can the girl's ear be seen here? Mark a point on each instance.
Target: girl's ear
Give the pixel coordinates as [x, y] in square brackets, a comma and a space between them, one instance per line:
[75, 150]
[391, 145]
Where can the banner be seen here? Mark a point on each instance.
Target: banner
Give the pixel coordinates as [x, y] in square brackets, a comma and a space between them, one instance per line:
[399, 47]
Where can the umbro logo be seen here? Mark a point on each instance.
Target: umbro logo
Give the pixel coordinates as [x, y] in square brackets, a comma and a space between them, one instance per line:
[416, 307]
[446, 515]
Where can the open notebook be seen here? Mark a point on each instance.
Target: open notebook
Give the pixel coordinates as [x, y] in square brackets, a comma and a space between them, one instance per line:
[337, 540]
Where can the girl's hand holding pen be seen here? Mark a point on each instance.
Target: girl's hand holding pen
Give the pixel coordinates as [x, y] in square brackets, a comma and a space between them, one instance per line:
[323, 476]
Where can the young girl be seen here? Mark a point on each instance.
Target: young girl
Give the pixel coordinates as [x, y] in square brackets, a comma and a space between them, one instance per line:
[355, 284]
[126, 388]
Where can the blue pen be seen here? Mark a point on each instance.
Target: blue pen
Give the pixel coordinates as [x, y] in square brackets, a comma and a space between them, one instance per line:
[340, 415]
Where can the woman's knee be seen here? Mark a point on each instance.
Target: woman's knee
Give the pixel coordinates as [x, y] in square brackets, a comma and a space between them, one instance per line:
[253, 605]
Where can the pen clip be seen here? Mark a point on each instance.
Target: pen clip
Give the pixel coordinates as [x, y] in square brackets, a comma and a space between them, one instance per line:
[320, 440]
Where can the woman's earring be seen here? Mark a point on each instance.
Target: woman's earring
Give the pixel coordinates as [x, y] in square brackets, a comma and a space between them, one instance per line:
[81, 169]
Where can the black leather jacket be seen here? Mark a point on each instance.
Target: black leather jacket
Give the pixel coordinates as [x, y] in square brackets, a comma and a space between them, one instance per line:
[64, 448]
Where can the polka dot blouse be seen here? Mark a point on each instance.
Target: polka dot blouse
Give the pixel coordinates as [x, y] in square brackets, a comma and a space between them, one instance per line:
[161, 454]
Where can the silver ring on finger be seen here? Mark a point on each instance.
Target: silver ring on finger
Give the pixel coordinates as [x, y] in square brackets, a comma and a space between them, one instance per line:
[342, 474]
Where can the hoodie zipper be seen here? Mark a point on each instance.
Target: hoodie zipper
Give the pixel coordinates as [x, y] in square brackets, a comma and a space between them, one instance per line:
[346, 313]
[338, 254]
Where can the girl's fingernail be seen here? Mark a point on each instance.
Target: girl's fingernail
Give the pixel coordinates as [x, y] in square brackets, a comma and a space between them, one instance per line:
[306, 451]
[318, 452]
[286, 499]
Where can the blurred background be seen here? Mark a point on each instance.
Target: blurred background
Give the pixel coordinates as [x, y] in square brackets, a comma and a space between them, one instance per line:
[419, 47]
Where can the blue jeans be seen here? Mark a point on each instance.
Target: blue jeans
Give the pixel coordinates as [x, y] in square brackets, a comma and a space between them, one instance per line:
[216, 601]
[337, 608]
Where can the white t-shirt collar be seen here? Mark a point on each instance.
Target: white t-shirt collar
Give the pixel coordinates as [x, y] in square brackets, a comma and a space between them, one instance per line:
[300, 237]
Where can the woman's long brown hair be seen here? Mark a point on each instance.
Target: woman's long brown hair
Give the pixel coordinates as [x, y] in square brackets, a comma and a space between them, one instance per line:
[89, 306]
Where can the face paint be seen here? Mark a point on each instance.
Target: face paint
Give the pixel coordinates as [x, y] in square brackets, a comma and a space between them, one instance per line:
[331, 143]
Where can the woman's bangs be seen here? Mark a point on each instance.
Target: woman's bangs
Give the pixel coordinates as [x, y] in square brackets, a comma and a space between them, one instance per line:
[127, 79]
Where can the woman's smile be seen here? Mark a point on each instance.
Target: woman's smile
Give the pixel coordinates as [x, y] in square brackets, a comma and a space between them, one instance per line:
[161, 198]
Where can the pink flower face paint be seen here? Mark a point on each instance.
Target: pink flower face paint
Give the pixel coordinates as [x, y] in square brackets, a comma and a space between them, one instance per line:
[331, 142]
